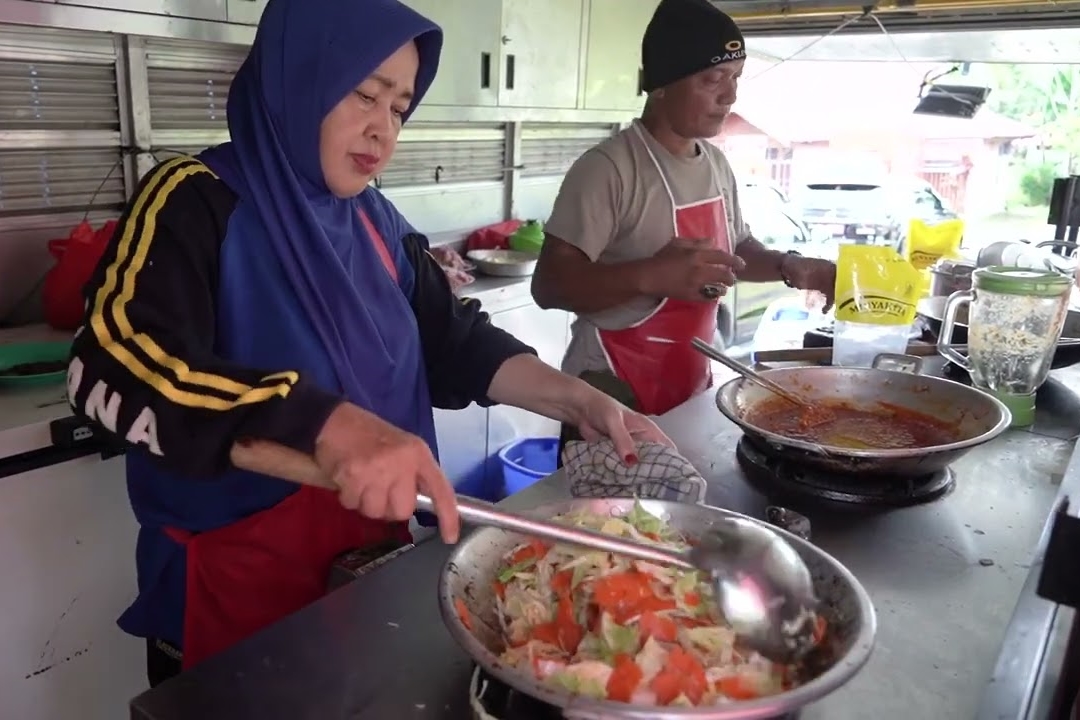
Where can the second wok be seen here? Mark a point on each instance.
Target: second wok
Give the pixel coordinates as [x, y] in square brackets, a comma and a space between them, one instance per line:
[865, 420]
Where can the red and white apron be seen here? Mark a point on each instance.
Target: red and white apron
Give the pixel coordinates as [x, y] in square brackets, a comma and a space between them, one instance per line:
[654, 356]
[242, 577]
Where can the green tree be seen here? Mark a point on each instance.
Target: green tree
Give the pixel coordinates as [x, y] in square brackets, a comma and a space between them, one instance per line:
[1046, 97]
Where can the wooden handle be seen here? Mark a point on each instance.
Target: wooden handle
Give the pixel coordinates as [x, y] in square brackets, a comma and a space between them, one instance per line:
[270, 458]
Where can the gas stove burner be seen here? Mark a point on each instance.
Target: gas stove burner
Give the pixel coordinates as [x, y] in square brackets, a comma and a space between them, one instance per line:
[780, 479]
[500, 702]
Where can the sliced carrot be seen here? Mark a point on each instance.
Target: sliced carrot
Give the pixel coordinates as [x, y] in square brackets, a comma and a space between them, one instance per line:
[654, 604]
[692, 599]
[626, 595]
[655, 626]
[535, 550]
[545, 632]
[463, 613]
[561, 582]
[564, 611]
[692, 674]
[620, 594]
[570, 637]
[500, 589]
[667, 685]
[821, 626]
[563, 635]
[737, 687]
[624, 679]
[563, 632]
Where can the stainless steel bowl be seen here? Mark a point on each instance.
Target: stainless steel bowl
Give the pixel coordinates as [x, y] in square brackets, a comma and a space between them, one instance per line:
[473, 566]
[504, 263]
[949, 276]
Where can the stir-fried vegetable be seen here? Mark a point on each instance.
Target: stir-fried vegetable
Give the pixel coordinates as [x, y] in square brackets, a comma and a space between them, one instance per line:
[605, 626]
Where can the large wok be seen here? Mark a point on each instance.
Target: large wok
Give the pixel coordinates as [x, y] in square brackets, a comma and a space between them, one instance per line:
[978, 417]
[932, 309]
[473, 566]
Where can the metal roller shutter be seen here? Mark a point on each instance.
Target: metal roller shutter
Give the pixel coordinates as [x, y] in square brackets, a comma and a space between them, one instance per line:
[431, 154]
[550, 148]
[59, 123]
[188, 84]
[60, 146]
[443, 153]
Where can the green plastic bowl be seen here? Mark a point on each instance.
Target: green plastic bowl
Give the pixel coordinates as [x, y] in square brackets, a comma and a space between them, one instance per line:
[528, 238]
[20, 354]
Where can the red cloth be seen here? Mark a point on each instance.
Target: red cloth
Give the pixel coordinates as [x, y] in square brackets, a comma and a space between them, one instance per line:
[492, 237]
[76, 258]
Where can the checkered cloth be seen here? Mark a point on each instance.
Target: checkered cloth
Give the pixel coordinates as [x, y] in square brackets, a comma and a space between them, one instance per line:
[596, 470]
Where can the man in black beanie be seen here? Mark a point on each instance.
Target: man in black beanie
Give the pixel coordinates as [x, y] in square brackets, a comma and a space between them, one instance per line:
[646, 233]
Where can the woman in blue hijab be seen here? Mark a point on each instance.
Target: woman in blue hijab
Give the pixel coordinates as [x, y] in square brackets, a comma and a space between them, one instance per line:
[265, 290]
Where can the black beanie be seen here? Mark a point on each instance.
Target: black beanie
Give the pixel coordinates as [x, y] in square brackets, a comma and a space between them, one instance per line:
[685, 37]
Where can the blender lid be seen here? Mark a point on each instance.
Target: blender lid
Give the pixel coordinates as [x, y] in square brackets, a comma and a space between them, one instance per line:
[1020, 281]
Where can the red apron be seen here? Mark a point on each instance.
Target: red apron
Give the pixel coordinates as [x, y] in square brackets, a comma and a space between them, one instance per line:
[247, 575]
[654, 356]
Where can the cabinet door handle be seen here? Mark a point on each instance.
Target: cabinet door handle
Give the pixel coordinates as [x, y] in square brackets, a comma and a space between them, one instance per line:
[485, 70]
[510, 62]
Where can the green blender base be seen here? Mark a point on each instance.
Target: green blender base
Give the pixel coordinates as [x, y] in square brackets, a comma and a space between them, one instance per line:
[1022, 408]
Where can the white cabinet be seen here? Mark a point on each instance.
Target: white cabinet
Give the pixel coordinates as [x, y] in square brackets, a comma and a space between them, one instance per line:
[613, 53]
[245, 12]
[541, 53]
[67, 559]
[469, 67]
[463, 449]
[548, 332]
[514, 53]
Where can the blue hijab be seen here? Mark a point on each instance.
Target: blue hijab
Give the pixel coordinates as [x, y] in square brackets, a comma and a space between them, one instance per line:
[302, 285]
[298, 245]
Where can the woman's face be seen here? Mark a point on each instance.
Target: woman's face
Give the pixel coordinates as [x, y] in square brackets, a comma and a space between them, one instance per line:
[359, 135]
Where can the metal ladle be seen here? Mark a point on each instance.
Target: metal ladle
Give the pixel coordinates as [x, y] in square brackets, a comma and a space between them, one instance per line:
[764, 588]
[749, 373]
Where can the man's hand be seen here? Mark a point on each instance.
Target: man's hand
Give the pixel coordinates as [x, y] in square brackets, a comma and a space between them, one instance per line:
[685, 268]
[807, 273]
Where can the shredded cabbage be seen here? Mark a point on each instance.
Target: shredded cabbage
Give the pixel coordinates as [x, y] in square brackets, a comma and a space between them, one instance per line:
[604, 626]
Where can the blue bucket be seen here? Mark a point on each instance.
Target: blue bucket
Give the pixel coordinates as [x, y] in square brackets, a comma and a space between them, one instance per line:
[527, 460]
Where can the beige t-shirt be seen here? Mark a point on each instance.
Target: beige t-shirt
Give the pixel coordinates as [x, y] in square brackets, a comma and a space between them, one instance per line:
[614, 206]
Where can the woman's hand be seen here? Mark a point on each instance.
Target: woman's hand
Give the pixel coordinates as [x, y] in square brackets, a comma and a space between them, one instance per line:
[379, 469]
[527, 382]
[599, 416]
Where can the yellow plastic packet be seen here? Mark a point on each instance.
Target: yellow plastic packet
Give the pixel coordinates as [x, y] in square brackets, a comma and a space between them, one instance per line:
[875, 286]
[926, 244]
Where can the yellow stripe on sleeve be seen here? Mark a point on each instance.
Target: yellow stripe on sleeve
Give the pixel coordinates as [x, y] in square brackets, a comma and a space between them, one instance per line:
[163, 181]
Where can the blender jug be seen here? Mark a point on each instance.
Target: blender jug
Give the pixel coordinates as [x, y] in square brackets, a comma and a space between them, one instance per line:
[1014, 322]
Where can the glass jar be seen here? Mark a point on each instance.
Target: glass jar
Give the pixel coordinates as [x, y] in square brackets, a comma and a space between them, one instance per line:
[1015, 318]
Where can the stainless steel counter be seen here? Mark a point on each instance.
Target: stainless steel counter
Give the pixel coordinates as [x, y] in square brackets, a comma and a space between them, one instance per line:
[945, 578]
